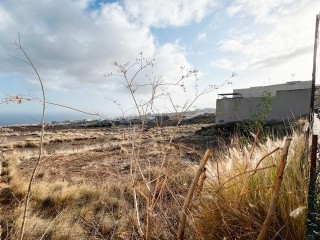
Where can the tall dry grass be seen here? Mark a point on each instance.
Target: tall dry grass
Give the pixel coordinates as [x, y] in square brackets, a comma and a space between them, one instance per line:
[63, 210]
[237, 193]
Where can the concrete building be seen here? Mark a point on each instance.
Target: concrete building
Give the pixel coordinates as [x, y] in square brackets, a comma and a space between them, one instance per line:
[289, 101]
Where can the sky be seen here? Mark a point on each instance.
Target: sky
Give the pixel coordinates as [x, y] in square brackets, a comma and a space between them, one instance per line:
[74, 44]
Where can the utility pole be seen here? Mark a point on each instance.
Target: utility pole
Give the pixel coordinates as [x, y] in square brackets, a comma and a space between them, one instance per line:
[313, 88]
[312, 224]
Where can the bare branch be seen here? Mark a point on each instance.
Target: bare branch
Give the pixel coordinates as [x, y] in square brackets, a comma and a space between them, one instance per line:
[19, 46]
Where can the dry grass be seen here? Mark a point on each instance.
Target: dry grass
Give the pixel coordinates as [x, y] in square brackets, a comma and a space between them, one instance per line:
[63, 210]
[236, 197]
[232, 205]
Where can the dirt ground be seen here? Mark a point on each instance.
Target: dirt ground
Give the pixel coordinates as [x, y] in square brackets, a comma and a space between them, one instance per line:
[100, 155]
[84, 159]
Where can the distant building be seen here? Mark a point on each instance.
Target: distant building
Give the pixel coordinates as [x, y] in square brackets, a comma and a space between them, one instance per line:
[289, 101]
[160, 119]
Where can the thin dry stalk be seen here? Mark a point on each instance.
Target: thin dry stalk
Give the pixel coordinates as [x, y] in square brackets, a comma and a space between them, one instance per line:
[187, 201]
[264, 157]
[148, 220]
[201, 181]
[240, 174]
[136, 206]
[254, 143]
[276, 190]
[163, 185]
[49, 226]
[256, 138]
[19, 99]
[218, 172]
[19, 46]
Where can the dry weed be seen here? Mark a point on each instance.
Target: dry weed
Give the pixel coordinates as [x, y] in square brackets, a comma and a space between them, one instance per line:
[237, 193]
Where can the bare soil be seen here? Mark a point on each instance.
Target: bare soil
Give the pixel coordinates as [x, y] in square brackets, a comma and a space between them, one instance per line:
[100, 155]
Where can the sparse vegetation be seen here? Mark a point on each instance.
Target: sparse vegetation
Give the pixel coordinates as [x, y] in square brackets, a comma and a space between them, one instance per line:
[258, 122]
[132, 182]
[85, 208]
[88, 194]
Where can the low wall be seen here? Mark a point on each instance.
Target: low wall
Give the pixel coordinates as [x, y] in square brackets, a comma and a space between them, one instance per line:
[286, 105]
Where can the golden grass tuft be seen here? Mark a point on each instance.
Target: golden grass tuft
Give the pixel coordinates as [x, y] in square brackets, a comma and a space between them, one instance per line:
[237, 194]
[70, 211]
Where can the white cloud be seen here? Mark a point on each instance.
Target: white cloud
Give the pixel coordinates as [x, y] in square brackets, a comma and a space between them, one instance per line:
[265, 10]
[172, 59]
[291, 37]
[223, 63]
[169, 64]
[228, 65]
[164, 13]
[236, 44]
[5, 19]
[73, 45]
[202, 36]
[231, 45]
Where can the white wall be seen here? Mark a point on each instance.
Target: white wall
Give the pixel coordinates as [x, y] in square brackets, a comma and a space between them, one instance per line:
[258, 91]
[287, 104]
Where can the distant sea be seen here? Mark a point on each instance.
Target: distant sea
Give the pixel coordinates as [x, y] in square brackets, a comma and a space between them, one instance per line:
[9, 119]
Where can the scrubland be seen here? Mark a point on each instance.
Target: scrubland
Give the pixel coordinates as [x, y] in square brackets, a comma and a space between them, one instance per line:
[123, 183]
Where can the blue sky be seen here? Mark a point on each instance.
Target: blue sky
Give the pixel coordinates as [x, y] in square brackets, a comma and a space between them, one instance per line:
[74, 42]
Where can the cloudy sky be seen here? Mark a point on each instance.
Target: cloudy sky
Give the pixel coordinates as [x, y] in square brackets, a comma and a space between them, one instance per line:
[73, 44]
